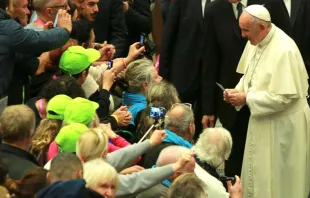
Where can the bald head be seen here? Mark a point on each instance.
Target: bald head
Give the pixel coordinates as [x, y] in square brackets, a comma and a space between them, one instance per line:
[179, 120]
[171, 154]
[177, 112]
[255, 23]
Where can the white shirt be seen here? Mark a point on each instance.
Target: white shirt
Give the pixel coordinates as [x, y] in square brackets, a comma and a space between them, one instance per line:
[203, 5]
[214, 187]
[288, 4]
[234, 6]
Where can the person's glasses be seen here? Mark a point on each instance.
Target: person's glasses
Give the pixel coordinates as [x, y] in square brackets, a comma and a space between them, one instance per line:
[180, 104]
[61, 7]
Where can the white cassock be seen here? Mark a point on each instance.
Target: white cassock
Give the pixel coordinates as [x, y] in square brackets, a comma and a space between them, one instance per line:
[276, 158]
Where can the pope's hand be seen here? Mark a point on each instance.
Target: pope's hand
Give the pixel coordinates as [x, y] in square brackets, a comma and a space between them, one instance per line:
[227, 92]
[237, 99]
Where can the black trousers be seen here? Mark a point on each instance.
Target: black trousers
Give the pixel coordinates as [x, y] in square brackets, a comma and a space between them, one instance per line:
[238, 132]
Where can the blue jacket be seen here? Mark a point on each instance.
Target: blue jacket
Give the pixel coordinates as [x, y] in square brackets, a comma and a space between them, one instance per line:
[15, 39]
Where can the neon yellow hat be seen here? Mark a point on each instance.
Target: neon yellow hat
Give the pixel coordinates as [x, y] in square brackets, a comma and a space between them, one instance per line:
[77, 59]
[80, 110]
[68, 137]
[56, 107]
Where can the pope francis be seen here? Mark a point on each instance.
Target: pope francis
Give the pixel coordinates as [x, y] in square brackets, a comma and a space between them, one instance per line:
[274, 86]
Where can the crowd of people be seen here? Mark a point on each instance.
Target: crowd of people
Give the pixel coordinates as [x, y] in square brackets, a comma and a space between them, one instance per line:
[154, 98]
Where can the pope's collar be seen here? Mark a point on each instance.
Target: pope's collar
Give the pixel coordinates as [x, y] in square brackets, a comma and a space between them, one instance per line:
[267, 39]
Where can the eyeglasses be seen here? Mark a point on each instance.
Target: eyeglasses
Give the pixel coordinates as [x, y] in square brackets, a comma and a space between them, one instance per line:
[180, 104]
[62, 6]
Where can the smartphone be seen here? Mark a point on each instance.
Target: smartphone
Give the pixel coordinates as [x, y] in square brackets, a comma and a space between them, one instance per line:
[220, 86]
[157, 112]
[56, 20]
[142, 39]
[110, 64]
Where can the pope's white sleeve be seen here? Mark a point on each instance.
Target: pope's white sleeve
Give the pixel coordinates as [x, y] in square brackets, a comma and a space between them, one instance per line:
[263, 103]
[240, 88]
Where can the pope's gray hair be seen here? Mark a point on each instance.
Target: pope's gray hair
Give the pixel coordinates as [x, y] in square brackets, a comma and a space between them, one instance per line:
[214, 146]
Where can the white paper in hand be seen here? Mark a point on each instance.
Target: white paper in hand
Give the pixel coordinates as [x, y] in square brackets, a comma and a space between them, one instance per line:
[220, 86]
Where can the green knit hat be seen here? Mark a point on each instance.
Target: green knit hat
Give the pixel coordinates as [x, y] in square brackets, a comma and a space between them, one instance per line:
[80, 110]
[77, 59]
[56, 107]
[68, 137]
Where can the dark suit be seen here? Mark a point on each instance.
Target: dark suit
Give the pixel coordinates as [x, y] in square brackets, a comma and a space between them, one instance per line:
[223, 49]
[300, 19]
[165, 6]
[110, 25]
[138, 20]
[25, 65]
[181, 49]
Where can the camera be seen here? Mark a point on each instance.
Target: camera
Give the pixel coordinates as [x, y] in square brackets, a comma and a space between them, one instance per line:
[150, 46]
[157, 112]
[110, 64]
[225, 179]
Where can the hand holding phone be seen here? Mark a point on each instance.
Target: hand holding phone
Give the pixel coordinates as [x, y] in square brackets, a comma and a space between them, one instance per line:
[110, 64]
[157, 112]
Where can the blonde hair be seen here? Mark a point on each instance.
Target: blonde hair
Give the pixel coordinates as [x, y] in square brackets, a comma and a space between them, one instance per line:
[17, 121]
[98, 171]
[137, 73]
[187, 185]
[162, 94]
[44, 136]
[4, 193]
[91, 144]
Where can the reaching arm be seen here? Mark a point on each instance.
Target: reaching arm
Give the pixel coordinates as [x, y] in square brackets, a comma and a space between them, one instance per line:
[23, 40]
[131, 185]
[125, 157]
